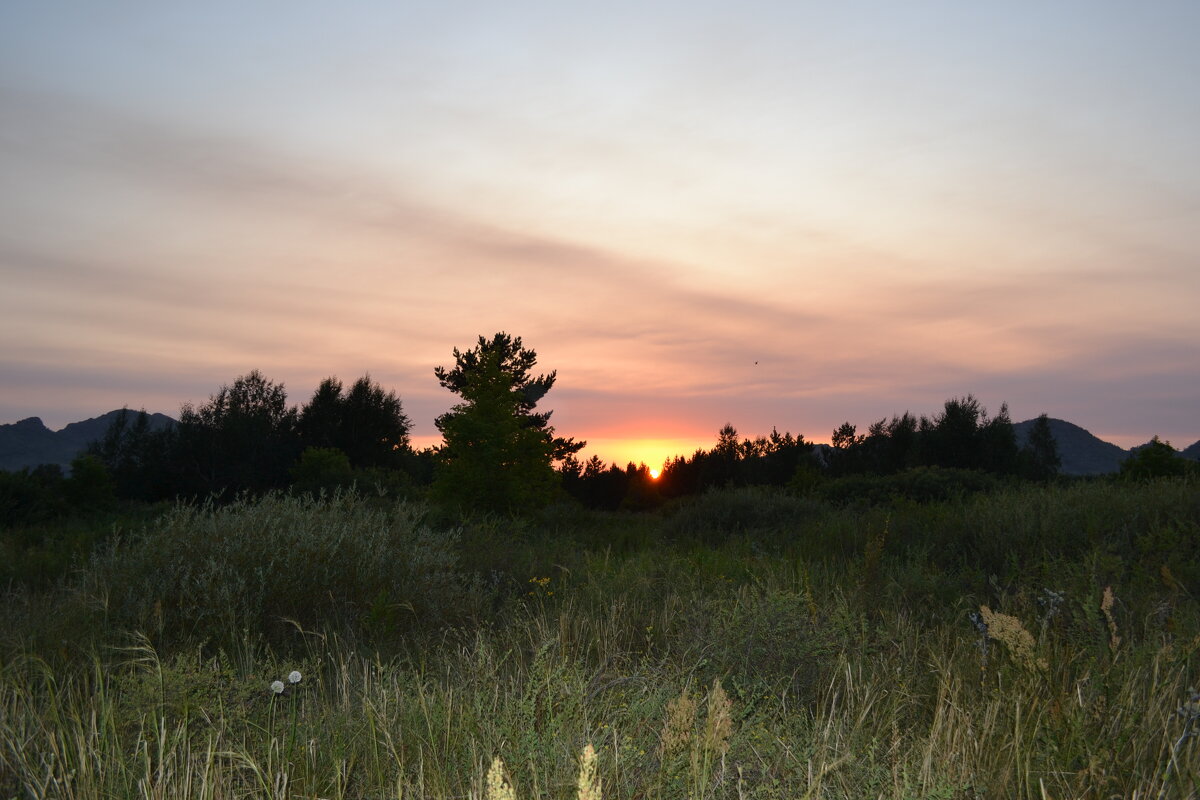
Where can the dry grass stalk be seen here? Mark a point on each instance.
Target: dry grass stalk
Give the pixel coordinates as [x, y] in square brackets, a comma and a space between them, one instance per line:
[1170, 581]
[1106, 605]
[677, 729]
[718, 726]
[1012, 634]
[589, 780]
[498, 785]
[873, 559]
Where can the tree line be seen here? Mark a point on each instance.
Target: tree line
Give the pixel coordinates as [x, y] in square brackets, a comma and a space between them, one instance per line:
[948, 452]
[500, 453]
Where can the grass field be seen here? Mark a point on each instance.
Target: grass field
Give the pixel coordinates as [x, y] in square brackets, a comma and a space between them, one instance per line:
[1036, 642]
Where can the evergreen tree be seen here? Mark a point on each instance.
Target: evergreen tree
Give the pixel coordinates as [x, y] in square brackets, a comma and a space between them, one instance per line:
[510, 358]
[497, 451]
[1039, 457]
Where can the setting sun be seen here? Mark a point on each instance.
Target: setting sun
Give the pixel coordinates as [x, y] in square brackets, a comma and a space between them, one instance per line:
[654, 473]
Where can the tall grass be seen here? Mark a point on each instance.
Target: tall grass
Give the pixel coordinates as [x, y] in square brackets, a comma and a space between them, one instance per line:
[811, 658]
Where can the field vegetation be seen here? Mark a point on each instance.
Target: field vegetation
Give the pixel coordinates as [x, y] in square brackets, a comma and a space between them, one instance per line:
[1026, 641]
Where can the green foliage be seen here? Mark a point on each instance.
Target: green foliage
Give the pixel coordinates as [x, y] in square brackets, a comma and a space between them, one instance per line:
[142, 461]
[49, 523]
[918, 485]
[806, 655]
[768, 636]
[806, 480]
[1039, 458]
[90, 487]
[1156, 459]
[963, 437]
[241, 440]
[509, 356]
[366, 423]
[31, 495]
[718, 514]
[497, 453]
[321, 470]
[205, 571]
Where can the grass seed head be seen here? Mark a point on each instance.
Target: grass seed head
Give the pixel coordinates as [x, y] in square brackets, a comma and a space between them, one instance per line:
[498, 785]
[1107, 601]
[1011, 633]
[677, 729]
[718, 727]
[589, 781]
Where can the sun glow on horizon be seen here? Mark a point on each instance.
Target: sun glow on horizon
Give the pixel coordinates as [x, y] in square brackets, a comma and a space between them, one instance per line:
[654, 473]
[654, 453]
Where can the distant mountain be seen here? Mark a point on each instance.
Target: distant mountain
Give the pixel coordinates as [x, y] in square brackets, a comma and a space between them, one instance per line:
[29, 442]
[1192, 451]
[1080, 451]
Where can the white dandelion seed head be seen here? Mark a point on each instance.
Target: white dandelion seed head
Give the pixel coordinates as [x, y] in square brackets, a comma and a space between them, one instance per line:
[277, 687]
[294, 676]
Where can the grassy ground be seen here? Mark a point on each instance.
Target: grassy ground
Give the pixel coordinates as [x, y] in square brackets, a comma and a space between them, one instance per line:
[1038, 642]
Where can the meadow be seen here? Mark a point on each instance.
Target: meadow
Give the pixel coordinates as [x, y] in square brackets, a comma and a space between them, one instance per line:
[1027, 642]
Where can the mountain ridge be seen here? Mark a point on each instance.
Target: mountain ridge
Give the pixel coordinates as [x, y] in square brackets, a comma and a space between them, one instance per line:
[29, 443]
[1081, 451]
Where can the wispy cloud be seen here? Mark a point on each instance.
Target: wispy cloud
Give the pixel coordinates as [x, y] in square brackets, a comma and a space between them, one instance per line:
[139, 254]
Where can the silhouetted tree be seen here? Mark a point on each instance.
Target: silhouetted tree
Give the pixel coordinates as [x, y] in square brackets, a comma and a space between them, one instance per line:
[366, 423]
[963, 437]
[144, 462]
[847, 455]
[997, 445]
[1039, 457]
[893, 446]
[720, 465]
[950, 438]
[89, 488]
[320, 421]
[1156, 459]
[514, 361]
[497, 451]
[243, 439]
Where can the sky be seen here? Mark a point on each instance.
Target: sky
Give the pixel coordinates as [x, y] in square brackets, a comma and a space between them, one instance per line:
[771, 214]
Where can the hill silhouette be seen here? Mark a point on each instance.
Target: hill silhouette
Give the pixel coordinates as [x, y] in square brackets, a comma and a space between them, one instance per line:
[29, 442]
[1082, 453]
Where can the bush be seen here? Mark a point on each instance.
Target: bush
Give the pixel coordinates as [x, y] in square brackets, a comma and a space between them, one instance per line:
[774, 633]
[337, 563]
[321, 469]
[31, 495]
[1156, 459]
[719, 513]
[90, 488]
[919, 485]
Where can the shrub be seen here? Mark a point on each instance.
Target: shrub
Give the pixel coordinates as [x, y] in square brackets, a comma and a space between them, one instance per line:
[321, 469]
[337, 562]
[920, 485]
[720, 513]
